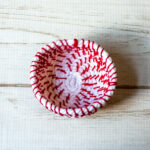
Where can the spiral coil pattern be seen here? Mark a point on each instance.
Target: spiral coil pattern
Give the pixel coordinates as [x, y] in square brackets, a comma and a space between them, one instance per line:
[73, 78]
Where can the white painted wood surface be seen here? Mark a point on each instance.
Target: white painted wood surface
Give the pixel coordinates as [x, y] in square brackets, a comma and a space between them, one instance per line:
[123, 124]
[122, 27]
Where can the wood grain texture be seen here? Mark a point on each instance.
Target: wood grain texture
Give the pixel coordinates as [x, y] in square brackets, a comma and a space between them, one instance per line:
[122, 27]
[123, 124]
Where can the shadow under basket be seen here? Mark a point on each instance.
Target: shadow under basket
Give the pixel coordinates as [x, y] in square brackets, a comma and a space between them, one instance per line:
[73, 78]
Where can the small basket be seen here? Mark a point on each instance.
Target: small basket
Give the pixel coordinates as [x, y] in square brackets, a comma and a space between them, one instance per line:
[73, 78]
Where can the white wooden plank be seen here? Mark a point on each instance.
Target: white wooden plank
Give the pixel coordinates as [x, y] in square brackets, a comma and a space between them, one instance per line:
[133, 65]
[122, 124]
[122, 27]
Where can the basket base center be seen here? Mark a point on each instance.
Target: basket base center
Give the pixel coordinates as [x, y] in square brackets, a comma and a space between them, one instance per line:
[73, 82]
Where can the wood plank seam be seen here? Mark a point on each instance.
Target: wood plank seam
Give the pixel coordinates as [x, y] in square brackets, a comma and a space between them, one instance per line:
[117, 87]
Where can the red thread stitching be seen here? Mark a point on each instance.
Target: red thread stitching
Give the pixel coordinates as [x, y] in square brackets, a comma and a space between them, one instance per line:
[73, 55]
[43, 72]
[77, 69]
[61, 70]
[69, 66]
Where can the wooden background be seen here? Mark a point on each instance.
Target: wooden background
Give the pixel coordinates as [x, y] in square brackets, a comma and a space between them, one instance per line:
[122, 27]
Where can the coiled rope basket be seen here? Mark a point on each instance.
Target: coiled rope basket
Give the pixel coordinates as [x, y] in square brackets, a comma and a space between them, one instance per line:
[73, 78]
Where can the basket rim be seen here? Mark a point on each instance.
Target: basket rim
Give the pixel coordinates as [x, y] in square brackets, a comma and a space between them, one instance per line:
[70, 112]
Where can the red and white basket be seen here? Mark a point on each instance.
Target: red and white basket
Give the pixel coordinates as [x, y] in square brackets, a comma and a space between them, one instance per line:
[73, 78]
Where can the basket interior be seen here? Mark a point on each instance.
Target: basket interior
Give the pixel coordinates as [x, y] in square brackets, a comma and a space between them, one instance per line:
[74, 76]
